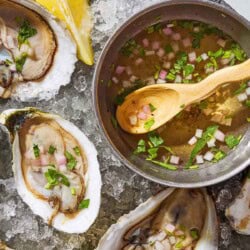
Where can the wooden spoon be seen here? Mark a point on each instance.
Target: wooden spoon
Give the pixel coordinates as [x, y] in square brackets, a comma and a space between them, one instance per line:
[170, 99]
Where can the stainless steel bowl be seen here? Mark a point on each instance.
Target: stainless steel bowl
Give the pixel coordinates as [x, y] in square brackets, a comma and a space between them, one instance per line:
[223, 18]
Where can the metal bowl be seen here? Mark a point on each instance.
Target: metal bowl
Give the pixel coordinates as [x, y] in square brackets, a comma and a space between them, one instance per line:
[223, 18]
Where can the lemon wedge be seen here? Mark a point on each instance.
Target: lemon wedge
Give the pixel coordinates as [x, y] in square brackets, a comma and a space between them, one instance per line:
[76, 14]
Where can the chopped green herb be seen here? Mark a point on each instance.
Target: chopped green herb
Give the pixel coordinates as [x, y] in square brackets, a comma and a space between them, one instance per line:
[216, 54]
[114, 122]
[73, 191]
[238, 52]
[71, 160]
[152, 107]
[77, 151]
[188, 69]
[164, 165]
[203, 105]
[194, 233]
[232, 141]
[52, 150]
[25, 32]
[129, 47]
[219, 155]
[168, 48]
[154, 27]
[170, 76]
[167, 149]
[141, 147]
[141, 51]
[194, 167]
[199, 59]
[36, 150]
[20, 61]
[149, 123]
[227, 54]
[8, 62]
[201, 143]
[155, 139]
[182, 106]
[152, 153]
[179, 244]
[241, 89]
[84, 204]
[55, 178]
[247, 103]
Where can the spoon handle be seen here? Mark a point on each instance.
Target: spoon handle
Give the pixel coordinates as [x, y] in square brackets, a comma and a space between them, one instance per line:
[231, 74]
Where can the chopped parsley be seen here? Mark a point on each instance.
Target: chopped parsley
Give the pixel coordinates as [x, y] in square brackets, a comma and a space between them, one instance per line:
[20, 61]
[168, 48]
[55, 178]
[141, 147]
[238, 52]
[232, 141]
[129, 47]
[36, 150]
[52, 150]
[188, 69]
[194, 233]
[152, 107]
[149, 123]
[73, 191]
[219, 155]
[77, 151]
[84, 204]
[153, 28]
[201, 143]
[71, 160]
[25, 32]
[155, 139]
[247, 103]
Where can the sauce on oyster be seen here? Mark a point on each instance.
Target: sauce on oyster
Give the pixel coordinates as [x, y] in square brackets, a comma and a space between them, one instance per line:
[53, 164]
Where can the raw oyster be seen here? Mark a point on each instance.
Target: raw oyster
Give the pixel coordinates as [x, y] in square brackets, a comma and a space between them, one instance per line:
[173, 219]
[238, 213]
[55, 167]
[37, 54]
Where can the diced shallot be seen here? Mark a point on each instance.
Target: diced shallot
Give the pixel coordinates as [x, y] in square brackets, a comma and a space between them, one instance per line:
[126, 84]
[170, 228]
[129, 70]
[222, 42]
[242, 97]
[1, 90]
[192, 56]
[209, 70]
[199, 159]
[160, 81]
[172, 240]
[150, 53]
[150, 80]
[44, 160]
[167, 65]
[133, 78]
[189, 77]
[138, 61]
[176, 36]
[204, 56]
[142, 116]
[209, 156]
[133, 120]
[167, 31]
[10, 42]
[192, 141]
[60, 159]
[159, 246]
[119, 70]
[198, 133]
[211, 143]
[179, 233]
[196, 29]
[12, 67]
[146, 109]
[186, 42]
[175, 47]
[35, 162]
[160, 52]
[145, 42]
[163, 74]
[178, 79]
[155, 45]
[63, 168]
[171, 55]
[219, 135]
[174, 159]
[115, 80]
[248, 91]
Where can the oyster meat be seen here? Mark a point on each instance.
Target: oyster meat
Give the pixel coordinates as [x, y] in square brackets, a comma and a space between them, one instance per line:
[55, 167]
[238, 213]
[37, 54]
[173, 219]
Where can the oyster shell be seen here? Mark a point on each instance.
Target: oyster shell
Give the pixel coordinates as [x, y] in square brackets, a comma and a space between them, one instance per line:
[41, 53]
[4, 247]
[238, 213]
[55, 167]
[173, 219]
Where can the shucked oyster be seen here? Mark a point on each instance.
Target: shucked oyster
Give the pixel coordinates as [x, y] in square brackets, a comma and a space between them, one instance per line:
[173, 219]
[37, 54]
[238, 212]
[55, 167]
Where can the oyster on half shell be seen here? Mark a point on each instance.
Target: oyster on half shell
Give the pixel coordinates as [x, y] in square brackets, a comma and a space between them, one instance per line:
[173, 219]
[238, 213]
[55, 167]
[37, 54]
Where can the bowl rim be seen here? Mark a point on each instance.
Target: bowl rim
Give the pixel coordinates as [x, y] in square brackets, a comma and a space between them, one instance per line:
[221, 7]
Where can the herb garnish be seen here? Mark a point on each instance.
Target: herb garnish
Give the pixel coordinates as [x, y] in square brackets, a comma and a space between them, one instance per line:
[36, 150]
[128, 47]
[20, 61]
[77, 151]
[168, 48]
[152, 107]
[194, 233]
[84, 204]
[25, 32]
[232, 141]
[201, 143]
[114, 122]
[73, 191]
[219, 155]
[153, 28]
[141, 147]
[149, 123]
[52, 150]
[55, 178]
[71, 160]
[241, 89]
